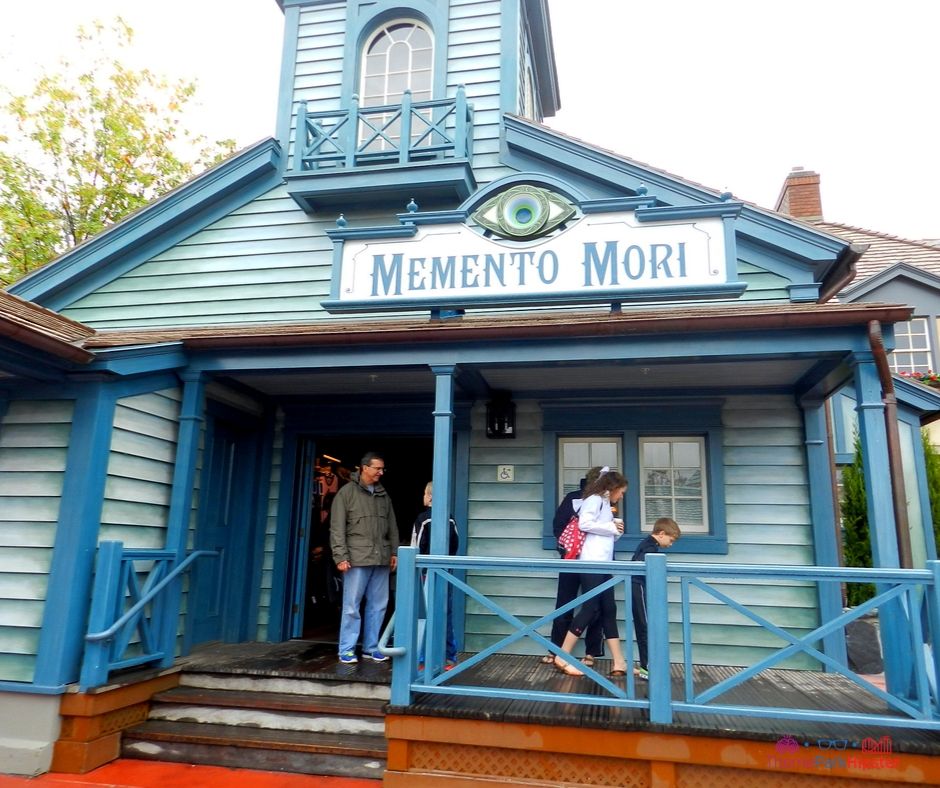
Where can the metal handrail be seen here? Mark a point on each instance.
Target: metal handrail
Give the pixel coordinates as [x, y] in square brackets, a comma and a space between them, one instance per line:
[111, 631]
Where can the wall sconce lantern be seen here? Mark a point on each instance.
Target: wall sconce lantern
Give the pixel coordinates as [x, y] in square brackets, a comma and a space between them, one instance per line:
[501, 416]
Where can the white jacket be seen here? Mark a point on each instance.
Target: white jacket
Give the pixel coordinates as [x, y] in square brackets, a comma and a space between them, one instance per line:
[596, 519]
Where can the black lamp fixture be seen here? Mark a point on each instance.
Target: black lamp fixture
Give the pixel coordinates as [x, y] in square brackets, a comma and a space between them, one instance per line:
[501, 416]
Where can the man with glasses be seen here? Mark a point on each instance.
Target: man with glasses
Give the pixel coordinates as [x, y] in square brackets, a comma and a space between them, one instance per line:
[364, 538]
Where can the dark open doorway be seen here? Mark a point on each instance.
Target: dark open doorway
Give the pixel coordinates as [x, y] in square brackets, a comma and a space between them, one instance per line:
[408, 460]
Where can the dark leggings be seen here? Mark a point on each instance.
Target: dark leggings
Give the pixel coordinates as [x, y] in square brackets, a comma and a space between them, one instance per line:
[602, 607]
[569, 586]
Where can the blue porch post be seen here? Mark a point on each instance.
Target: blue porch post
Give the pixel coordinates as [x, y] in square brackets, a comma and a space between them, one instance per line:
[823, 515]
[660, 680]
[884, 547]
[181, 499]
[440, 510]
[61, 640]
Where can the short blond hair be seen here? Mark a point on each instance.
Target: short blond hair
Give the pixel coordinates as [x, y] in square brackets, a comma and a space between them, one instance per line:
[668, 526]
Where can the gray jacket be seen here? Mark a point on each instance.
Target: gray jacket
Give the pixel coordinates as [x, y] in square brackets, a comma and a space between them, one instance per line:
[363, 530]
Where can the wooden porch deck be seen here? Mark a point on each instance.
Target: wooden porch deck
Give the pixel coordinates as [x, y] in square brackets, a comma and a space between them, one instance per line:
[790, 689]
[778, 688]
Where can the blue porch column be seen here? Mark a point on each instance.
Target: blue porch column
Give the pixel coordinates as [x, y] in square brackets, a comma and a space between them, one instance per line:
[61, 640]
[823, 515]
[440, 510]
[884, 546]
[181, 499]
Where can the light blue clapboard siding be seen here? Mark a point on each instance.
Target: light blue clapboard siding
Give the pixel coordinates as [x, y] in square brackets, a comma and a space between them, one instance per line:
[256, 274]
[33, 443]
[140, 469]
[270, 534]
[474, 46]
[762, 285]
[767, 514]
[318, 65]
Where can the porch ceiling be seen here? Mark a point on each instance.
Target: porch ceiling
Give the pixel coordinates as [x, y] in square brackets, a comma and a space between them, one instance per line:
[574, 378]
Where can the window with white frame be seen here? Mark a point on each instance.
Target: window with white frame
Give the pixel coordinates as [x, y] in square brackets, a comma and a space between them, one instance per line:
[399, 56]
[912, 346]
[673, 484]
[576, 456]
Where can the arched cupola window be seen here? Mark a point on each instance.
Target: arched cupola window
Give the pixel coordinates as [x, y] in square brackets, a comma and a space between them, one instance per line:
[399, 56]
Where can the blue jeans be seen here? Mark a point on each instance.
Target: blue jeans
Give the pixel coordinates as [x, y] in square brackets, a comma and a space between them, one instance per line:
[371, 582]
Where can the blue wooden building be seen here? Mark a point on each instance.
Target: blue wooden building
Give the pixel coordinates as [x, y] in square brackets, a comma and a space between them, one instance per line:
[417, 265]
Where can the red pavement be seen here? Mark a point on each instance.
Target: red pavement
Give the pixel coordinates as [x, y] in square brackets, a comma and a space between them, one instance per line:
[145, 774]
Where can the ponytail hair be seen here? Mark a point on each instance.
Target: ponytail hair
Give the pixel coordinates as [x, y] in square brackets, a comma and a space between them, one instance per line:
[610, 480]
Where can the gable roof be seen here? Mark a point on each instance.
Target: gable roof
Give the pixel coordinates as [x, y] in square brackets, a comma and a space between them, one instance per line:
[885, 251]
[154, 227]
[831, 256]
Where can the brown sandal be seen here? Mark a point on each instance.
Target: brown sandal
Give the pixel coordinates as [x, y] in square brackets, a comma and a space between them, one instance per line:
[587, 660]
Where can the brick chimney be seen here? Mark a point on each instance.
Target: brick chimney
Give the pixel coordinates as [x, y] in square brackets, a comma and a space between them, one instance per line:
[799, 196]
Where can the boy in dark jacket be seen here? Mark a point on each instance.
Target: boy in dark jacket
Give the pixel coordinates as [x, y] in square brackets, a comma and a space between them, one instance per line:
[664, 535]
[421, 538]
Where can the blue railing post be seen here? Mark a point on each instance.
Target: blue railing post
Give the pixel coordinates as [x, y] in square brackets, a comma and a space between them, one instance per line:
[300, 138]
[406, 618]
[932, 592]
[105, 592]
[352, 132]
[404, 142]
[657, 600]
[461, 130]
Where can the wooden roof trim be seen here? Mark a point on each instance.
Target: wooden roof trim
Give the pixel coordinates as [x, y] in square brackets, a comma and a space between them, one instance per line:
[43, 329]
[494, 327]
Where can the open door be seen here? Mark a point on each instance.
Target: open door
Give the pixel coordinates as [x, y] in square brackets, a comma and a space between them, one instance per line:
[324, 466]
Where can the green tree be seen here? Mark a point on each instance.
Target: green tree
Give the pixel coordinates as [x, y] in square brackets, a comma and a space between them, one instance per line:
[856, 538]
[932, 461]
[89, 146]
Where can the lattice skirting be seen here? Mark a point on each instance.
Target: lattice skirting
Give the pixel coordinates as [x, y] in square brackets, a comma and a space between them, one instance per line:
[445, 752]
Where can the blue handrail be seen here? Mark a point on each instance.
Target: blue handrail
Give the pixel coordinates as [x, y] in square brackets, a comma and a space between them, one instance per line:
[106, 647]
[908, 595]
[148, 597]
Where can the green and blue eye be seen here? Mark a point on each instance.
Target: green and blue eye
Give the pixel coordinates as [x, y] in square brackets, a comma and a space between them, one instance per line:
[523, 212]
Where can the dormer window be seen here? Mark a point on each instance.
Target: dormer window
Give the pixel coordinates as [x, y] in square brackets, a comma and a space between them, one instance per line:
[398, 57]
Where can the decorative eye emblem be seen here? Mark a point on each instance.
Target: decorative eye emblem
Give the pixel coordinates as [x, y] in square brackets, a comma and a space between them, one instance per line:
[523, 212]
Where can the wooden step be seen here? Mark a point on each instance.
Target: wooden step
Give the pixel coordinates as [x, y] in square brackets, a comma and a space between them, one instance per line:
[287, 685]
[273, 701]
[235, 736]
[301, 752]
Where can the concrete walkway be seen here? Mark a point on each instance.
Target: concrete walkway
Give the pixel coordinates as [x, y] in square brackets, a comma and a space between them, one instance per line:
[148, 774]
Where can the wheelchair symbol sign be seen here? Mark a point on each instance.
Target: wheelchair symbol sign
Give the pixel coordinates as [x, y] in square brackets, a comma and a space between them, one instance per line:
[505, 473]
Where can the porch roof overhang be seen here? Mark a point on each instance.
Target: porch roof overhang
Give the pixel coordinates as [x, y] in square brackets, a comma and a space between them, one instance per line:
[493, 327]
[804, 350]
[27, 324]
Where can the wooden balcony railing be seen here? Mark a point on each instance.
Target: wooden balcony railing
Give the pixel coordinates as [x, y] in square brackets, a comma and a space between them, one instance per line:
[394, 134]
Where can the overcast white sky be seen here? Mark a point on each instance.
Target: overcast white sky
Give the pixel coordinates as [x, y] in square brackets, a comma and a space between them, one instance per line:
[731, 95]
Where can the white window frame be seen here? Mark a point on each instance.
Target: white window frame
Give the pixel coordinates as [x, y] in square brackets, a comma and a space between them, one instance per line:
[393, 97]
[570, 475]
[918, 341]
[647, 519]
